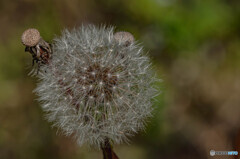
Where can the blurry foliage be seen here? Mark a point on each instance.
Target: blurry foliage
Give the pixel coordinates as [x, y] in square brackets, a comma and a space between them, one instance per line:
[195, 47]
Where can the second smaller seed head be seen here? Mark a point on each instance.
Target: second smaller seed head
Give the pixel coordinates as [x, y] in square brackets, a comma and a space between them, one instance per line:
[30, 37]
[123, 36]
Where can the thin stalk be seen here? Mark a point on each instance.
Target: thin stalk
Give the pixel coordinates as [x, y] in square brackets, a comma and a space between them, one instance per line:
[107, 150]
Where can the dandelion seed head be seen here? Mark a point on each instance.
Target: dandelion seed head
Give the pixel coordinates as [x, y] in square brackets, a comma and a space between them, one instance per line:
[106, 95]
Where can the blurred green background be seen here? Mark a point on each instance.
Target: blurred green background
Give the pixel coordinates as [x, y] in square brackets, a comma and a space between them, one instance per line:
[195, 48]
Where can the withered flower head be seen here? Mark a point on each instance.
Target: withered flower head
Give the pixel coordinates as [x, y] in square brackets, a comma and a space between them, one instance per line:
[123, 36]
[30, 37]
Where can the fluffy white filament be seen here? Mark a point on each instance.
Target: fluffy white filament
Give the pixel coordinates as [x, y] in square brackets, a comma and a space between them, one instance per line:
[96, 87]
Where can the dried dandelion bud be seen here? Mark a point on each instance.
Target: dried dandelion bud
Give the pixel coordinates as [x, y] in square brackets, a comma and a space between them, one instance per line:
[123, 36]
[95, 87]
[30, 37]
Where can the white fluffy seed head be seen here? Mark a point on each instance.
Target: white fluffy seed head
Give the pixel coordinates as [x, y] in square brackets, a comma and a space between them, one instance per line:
[108, 95]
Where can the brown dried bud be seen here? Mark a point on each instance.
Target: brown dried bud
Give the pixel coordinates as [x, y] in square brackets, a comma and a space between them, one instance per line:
[30, 37]
[124, 37]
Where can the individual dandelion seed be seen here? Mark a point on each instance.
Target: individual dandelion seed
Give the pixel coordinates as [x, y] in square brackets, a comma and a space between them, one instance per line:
[97, 86]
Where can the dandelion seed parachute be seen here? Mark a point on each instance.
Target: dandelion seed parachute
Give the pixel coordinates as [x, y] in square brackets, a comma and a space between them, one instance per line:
[95, 86]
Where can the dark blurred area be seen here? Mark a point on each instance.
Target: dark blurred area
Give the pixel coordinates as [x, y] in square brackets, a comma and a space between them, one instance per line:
[195, 48]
